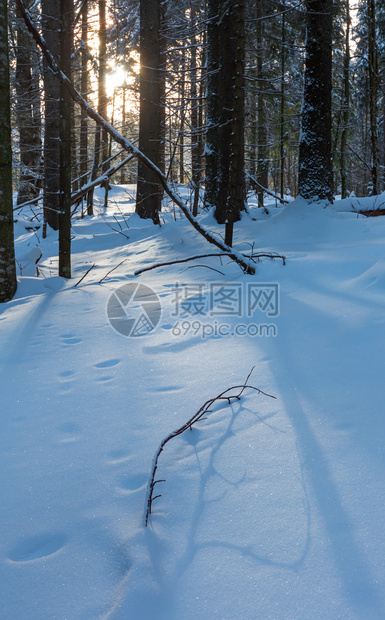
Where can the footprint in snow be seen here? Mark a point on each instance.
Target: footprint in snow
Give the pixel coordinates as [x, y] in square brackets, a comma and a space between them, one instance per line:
[69, 432]
[129, 484]
[70, 339]
[37, 547]
[108, 363]
[104, 379]
[117, 456]
[66, 375]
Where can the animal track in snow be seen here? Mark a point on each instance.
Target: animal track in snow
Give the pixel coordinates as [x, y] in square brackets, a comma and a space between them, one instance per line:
[70, 339]
[69, 432]
[37, 547]
[117, 456]
[133, 483]
[104, 378]
[107, 363]
[67, 375]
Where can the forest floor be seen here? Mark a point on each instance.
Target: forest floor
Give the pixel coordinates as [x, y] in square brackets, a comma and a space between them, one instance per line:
[271, 507]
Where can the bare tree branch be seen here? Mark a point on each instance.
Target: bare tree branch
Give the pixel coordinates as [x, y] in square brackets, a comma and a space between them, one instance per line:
[226, 395]
[77, 196]
[186, 260]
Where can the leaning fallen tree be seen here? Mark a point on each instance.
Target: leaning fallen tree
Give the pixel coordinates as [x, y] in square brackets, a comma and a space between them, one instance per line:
[238, 257]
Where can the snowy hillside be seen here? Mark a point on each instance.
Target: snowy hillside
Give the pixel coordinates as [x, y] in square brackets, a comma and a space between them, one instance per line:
[271, 507]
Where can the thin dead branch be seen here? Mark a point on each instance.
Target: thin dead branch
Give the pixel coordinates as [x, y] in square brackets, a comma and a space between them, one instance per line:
[111, 270]
[199, 415]
[252, 257]
[77, 196]
[267, 191]
[86, 273]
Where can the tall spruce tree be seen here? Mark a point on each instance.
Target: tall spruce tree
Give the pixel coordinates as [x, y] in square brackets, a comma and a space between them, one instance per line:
[51, 207]
[225, 111]
[149, 192]
[8, 281]
[315, 165]
[66, 18]
[27, 111]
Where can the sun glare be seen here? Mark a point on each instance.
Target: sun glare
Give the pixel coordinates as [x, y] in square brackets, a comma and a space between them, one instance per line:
[116, 79]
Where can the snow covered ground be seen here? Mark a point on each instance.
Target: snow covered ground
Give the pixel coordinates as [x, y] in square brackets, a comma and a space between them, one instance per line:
[271, 508]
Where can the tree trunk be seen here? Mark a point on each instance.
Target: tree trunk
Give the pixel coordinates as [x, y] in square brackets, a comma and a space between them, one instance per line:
[237, 191]
[282, 105]
[373, 91]
[315, 165]
[101, 138]
[263, 156]
[225, 105]
[66, 15]
[195, 176]
[83, 145]
[212, 104]
[28, 113]
[8, 282]
[346, 104]
[51, 206]
[149, 192]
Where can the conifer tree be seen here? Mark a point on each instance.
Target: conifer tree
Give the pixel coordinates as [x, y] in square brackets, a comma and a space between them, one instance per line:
[8, 281]
[315, 165]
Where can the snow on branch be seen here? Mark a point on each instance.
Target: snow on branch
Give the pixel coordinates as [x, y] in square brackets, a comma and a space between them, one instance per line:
[77, 196]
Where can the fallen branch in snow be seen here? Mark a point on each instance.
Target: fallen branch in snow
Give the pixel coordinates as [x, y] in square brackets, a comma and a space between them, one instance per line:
[125, 144]
[267, 191]
[77, 196]
[188, 425]
[252, 257]
[86, 273]
[111, 270]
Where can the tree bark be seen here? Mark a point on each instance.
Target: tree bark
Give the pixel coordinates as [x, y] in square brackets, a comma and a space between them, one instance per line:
[149, 192]
[237, 192]
[83, 145]
[315, 164]
[28, 114]
[66, 18]
[373, 91]
[212, 104]
[346, 105]
[51, 200]
[225, 107]
[8, 282]
[263, 155]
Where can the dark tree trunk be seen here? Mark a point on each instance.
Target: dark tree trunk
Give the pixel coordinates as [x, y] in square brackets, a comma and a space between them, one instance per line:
[282, 104]
[8, 281]
[263, 147]
[213, 104]
[83, 146]
[28, 113]
[315, 164]
[149, 192]
[101, 138]
[195, 173]
[346, 105]
[237, 193]
[51, 206]
[373, 91]
[66, 14]
[225, 107]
